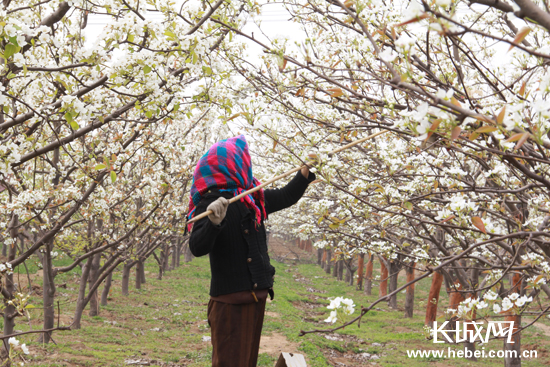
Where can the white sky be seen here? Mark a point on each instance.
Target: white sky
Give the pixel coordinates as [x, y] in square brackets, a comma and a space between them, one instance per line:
[274, 22]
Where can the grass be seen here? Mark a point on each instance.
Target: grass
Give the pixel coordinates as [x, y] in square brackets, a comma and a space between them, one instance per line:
[164, 323]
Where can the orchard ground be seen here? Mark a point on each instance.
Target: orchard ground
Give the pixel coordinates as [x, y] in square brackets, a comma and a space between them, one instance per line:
[164, 323]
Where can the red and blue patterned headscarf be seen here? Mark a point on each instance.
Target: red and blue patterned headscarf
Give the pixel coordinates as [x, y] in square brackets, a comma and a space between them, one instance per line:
[227, 167]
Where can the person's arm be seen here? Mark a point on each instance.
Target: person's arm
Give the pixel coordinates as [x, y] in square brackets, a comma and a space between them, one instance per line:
[277, 199]
[204, 232]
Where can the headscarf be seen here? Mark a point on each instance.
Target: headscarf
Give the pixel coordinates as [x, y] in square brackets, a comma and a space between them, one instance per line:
[227, 167]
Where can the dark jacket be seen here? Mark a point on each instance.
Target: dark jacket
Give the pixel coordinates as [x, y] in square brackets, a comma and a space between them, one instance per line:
[237, 248]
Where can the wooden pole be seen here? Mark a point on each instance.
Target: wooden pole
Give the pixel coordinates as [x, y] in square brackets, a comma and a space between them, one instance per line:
[287, 173]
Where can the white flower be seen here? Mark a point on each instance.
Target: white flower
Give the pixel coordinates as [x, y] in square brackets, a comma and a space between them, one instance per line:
[496, 308]
[10, 30]
[414, 10]
[13, 341]
[513, 296]
[349, 306]
[522, 300]
[333, 317]
[507, 304]
[443, 3]
[447, 95]
[44, 37]
[18, 59]
[24, 348]
[490, 295]
[388, 55]
[405, 41]
[481, 305]
[21, 40]
[335, 303]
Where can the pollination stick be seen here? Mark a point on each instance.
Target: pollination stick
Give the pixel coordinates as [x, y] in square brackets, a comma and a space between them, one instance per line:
[282, 175]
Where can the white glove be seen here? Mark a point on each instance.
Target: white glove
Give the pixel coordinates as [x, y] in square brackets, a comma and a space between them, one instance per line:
[219, 208]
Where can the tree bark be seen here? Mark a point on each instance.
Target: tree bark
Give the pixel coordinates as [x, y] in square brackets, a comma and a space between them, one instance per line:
[409, 297]
[9, 310]
[81, 294]
[139, 266]
[471, 347]
[514, 361]
[328, 263]
[188, 256]
[142, 272]
[433, 299]
[394, 272]
[174, 254]
[94, 302]
[48, 292]
[383, 287]
[126, 278]
[360, 266]
[368, 275]
[178, 258]
[165, 257]
[106, 289]
[340, 269]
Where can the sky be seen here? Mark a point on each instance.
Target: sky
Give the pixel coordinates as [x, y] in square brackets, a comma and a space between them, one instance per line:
[274, 21]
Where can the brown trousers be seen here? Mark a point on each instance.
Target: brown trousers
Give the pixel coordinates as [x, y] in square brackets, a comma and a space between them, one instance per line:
[236, 331]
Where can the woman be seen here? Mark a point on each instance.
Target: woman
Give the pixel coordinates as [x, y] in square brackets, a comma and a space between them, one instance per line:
[234, 237]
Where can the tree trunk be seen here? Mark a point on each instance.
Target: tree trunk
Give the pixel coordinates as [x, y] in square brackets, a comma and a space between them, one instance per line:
[48, 292]
[328, 263]
[165, 257]
[320, 253]
[81, 294]
[142, 272]
[178, 248]
[409, 298]
[383, 287]
[514, 361]
[106, 289]
[94, 302]
[126, 278]
[368, 275]
[174, 254]
[139, 265]
[471, 347]
[9, 310]
[159, 276]
[340, 269]
[188, 256]
[360, 266]
[433, 299]
[394, 272]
